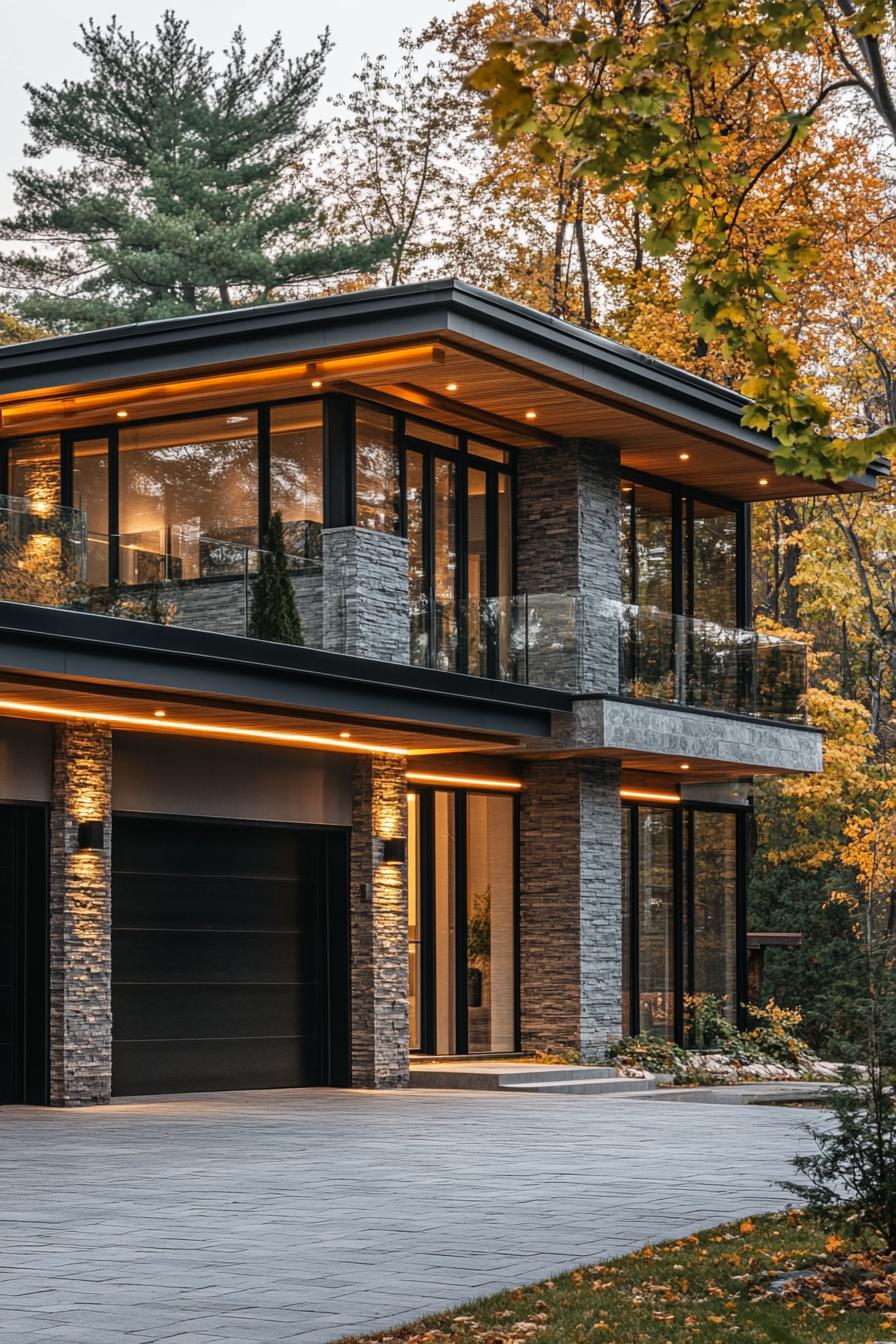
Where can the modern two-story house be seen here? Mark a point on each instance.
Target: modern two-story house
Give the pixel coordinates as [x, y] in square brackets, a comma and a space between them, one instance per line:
[496, 799]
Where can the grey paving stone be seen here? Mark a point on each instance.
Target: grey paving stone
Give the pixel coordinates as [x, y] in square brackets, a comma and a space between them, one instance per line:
[270, 1216]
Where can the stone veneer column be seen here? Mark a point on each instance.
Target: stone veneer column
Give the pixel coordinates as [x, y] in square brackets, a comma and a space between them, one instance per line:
[568, 543]
[80, 919]
[570, 905]
[366, 601]
[379, 925]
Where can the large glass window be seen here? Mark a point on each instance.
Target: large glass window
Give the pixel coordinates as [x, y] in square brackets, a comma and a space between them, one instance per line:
[491, 991]
[676, 946]
[713, 595]
[377, 488]
[297, 474]
[34, 470]
[445, 562]
[712, 907]
[90, 494]
[414, 941]
[656, 921]
[184, 479]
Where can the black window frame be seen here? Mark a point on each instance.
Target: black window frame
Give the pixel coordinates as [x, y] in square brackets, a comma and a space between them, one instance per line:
[683, 906]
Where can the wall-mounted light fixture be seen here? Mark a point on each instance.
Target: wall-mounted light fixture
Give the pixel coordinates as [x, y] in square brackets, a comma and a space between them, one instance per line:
[90, 834]
[395, 849]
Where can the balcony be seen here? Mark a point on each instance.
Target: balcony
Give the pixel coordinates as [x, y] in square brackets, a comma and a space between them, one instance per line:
[558, 641]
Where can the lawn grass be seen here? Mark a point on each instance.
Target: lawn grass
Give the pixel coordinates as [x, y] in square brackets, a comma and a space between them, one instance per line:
[698, 1290]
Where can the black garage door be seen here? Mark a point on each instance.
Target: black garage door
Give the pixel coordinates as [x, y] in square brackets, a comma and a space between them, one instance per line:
[229, 956]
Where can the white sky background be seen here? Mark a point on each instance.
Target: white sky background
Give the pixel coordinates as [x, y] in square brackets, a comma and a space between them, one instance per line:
[38, 36]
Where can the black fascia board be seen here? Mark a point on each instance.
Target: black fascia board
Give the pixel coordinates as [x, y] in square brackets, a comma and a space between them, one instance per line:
[83, 647]
[410, 312]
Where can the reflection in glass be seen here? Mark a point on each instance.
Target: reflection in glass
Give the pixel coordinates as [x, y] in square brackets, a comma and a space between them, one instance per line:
[714, 571]
[490, 934]
[713, 938]
[376, 470]
[656, 988]
[90, 471]
[653, 548]
[445, 891]
[477, 572]
[416, 561]
[34, 470]
[626, 922]
[414, 964]
[181, 480]
[445, 563]
[297, 474]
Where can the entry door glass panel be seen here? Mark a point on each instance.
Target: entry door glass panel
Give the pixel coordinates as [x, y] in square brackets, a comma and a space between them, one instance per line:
[714, 907]
[656, 860]
[414, 910]
[491, 990]
[445, 892]
[90, 494]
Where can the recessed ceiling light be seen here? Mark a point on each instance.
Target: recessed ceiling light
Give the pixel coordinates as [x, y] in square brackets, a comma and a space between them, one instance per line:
[626, 489]
[685, 766]
[763, 480]
[122, 415]
[159, 713]
[451, 387]
[530, 415]
[684, 457]
[345, 734]
[316, 382]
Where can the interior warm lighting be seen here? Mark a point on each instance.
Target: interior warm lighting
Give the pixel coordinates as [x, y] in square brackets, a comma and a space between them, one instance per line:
[121, 415]
[531, 415]
[763, 480]
[646, 796]
[684, 457]
[465, 781]
[273, 735]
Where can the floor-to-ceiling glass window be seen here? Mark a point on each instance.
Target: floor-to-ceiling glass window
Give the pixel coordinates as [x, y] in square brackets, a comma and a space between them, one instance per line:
[682, 897]
[182, 480]
[377, 478]
[90, 495]
[33, 470]
[297, 474]
[462, 945]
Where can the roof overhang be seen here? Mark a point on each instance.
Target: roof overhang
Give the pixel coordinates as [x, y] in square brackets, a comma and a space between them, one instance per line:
[404, 347]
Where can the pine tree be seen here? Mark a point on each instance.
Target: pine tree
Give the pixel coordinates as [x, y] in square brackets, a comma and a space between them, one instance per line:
[184, 185]
[274, 612]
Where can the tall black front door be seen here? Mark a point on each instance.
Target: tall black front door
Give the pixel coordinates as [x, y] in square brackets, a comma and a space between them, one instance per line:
[24, 943]
[229, 956]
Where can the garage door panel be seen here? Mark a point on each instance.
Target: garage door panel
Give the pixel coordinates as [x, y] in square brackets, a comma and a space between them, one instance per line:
[216, 850]
[221, 955]
[186, 1012]
[163, 955]
[180, 901]
[145, 1067]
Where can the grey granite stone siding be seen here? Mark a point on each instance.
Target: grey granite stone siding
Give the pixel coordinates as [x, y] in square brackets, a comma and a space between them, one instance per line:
[379, 925]
[366, 595]
[80, 919]
[570, 906]
[568, 546]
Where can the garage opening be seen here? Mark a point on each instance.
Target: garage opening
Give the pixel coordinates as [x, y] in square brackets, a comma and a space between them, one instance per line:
[230, 955]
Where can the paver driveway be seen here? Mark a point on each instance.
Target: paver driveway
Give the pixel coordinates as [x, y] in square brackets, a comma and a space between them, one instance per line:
[305, 1215]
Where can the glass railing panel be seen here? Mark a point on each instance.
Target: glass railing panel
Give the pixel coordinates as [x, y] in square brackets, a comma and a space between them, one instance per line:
[707, 666]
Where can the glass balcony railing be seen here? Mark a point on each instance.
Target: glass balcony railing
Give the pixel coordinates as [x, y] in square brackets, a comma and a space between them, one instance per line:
[561, 641]
[683, 661]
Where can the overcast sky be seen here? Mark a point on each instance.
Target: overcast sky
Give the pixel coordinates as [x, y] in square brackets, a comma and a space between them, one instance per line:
[38, 36]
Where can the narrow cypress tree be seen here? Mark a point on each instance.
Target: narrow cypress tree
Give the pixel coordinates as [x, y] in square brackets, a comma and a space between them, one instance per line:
[274, 612]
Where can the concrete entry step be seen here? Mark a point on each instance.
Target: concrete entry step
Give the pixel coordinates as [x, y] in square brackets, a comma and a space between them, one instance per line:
[495, 1077]
[587, 1087]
